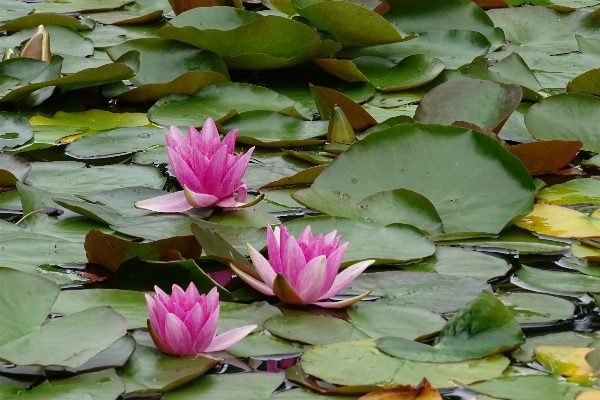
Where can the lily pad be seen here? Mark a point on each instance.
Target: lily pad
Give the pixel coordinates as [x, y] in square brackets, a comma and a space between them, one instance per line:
[351, 24]
[13, 169]
[263, 344]
[79, 5]
[130, 304]
[63, 40]
[368, 241]
[272, 129]
[524, 387]
[454, 48]
[574, 339]
[545, 155]
[433, 161]
[133, 13]
[116, 142]
[382, 208]
[536, 307]
[483, 328]
[220, 102]
[39, 18]
[551, 220]
[14, 132]
[247, 40]
[567, 116]
[313, 329]
[394, 318]
[93, 119]
[417, 16]
[559, 281]
[478, 102]
[12, 10]
[361, 363]
[575, 191]
[441, 293]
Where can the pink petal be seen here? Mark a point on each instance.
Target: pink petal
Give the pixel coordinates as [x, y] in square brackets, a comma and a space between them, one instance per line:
[292, 261]
[229, 141]
[194, 320]
[178, 296]
[169, 203]
[343, 303]
[235, 174]
[162, 297]
[199, 200]
[229, 202]
[333, 266]
[262, 266]
[215, 173]
[273, 249]
[206, 333]
[222, 278]
[242, 192]
[253, 282]
[191, 293]
[208, 142]
[229, 338]
[177, 140]
[182, 167]
[200, 164]
[152, 313]
[306, 236]
[310, 281]
[344, 278]
[212, 300]
[176, 338]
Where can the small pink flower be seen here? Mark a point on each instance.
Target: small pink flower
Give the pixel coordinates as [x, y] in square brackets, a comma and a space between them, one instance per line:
[302, 271]
[208, 169]
[186, 322]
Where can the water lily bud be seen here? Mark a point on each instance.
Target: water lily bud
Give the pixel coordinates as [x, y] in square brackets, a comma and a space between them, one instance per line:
[339, 129]
[303, 271]
[38, 47]
[186, 322]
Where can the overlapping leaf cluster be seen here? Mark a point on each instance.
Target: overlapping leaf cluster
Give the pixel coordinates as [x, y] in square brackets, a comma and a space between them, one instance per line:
[420, 130]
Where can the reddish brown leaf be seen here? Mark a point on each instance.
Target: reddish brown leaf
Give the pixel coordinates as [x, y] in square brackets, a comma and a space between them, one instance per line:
[487, 4]
[111, 251]
[423, 391]
[327, 98]
[545, 156]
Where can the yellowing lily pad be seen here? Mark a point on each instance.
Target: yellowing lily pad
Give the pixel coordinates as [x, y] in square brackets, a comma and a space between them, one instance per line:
[551, 220]
[575, 191]
[565, 361]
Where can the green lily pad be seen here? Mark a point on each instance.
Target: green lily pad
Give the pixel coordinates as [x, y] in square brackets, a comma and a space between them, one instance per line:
[417, 16]
[40, 18]
[559, 281]
[478, 102]
[249, 386]
[59, 342]
[548, 387]
[14, 132]
[369, 241]
[535, 307]
[461, 262]
[93, 119]
[433, 161]
[263, 344]
[148, 370]
[351, 24]
[247, 40]
[12, 10]
[454, 48]
[394, 318]
[117, 141]
[585, 83]
[390, 76]
[69, 177]
[28, 71]
[13, 169]
[514, 239]
[268, 128]
[129, 304]
[220, 102]
[313, 329]
[544, 29]
[79, 5]
[568, 116]
[441, 293]
[176, 58]
[250, 314]
[382, 208]
[361, 363]
[575, 191]
[483, 328]
[101, 385]
[514, 129]
[136, 12]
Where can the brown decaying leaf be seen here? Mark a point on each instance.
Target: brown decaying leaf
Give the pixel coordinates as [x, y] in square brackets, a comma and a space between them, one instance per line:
[487, 4]
[423, 391]
[327, 98]
[296, 374]
[545, 156]
[111, 251]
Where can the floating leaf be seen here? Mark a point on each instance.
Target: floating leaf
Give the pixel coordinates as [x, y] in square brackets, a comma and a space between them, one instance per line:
[483, 328]
[247, 40]
[546, 155]
[536, 307]
[369, 241]
[565, 361]
[14, 132]
[482, 103]
[559, 281]
[558, 221]
[13, 169]
[548, 387]
[41, 18]
[361, 363]
[133, 13]
[433, 160]
[326, 99]
[313, 329]
[575, 191]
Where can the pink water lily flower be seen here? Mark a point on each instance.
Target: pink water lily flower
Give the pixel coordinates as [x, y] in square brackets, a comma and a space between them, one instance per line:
[302, 271]
[186, 322]
[208, 169]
